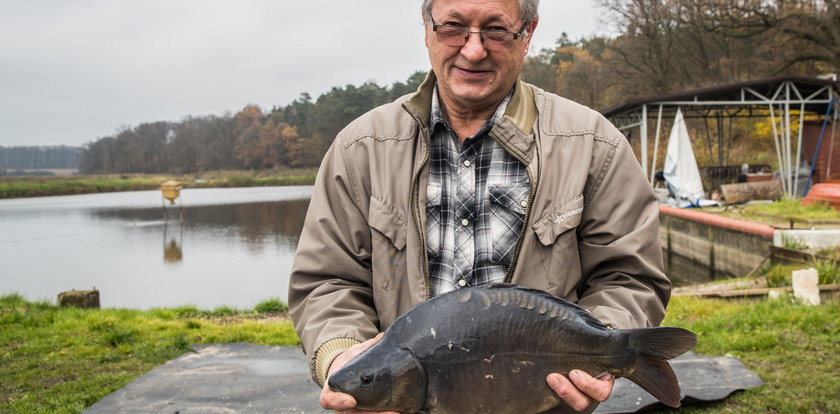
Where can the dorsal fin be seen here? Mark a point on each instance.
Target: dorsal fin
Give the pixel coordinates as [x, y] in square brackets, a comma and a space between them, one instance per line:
[569, 306]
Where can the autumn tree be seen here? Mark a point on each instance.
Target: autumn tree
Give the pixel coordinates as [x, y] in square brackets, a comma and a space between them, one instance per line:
[246, 135]
[809, 28]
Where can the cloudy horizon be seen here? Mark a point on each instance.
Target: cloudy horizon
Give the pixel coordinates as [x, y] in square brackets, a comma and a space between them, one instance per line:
[75, 71]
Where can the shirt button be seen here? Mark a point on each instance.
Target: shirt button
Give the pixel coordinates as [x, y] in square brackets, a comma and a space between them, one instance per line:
[524, 204]
[462, 283]
[467, 163]
[465, 222]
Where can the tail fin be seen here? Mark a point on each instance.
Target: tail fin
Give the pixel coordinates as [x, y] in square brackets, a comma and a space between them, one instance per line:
[653, 347]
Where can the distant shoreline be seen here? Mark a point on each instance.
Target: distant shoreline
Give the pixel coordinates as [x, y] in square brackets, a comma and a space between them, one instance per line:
[42, 186]
[37, 172]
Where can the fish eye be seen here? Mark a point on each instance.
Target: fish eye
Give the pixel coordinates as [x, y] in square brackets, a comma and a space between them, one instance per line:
[366, 379]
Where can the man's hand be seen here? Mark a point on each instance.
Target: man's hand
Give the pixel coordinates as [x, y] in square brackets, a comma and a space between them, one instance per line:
[340, 402]
[581, 390]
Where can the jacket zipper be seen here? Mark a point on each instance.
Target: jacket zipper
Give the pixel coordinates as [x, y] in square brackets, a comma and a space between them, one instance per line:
[413, 200]
[512, 265]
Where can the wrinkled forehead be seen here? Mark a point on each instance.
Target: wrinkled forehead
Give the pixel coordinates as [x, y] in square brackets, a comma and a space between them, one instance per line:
[489, 10]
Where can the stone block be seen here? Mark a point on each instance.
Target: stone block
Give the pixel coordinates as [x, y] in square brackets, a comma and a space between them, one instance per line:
[85, 299]
[806, 286]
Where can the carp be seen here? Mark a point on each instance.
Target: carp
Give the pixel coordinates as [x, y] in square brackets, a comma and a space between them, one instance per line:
[490, 349]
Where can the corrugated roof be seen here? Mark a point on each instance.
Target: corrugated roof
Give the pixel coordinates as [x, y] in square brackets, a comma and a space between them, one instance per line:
[730, 92]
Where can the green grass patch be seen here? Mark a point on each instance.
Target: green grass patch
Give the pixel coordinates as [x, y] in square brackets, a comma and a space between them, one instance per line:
[793, 348]
[792, 207]
[257, 181]
[58, 360]
[780, 275]
[785, 213]
[63, 360]
[16, 187]
[828, 270]
[793, 243]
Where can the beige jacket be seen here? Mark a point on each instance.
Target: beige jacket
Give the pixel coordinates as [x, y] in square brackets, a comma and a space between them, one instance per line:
[592, 232]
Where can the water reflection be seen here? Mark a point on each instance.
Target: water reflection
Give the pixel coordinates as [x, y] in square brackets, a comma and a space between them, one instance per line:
[254, 224]
[172, 252]
[234, 247]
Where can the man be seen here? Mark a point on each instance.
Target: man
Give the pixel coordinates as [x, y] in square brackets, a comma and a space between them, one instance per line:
[477, 178]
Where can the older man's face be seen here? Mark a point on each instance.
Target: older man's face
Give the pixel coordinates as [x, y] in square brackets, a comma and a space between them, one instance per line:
[474, 77]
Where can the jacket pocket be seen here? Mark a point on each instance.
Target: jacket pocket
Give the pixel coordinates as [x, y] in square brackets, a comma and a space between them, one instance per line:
[388, 222]
[565, 218]
[507, 218]
[434, 230]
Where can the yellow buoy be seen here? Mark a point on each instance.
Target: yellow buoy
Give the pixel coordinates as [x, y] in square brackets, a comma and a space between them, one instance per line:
[171, 190]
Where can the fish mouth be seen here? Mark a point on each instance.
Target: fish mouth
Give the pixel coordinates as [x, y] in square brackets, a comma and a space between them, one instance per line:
[335, 386]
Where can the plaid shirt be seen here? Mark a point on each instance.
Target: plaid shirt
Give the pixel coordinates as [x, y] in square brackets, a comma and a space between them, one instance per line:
[475, 209]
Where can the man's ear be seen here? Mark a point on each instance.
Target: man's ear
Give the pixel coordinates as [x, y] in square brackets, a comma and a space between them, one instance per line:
[531, 27]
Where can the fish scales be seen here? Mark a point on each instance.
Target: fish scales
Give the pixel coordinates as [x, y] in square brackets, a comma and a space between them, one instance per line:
[492, 350]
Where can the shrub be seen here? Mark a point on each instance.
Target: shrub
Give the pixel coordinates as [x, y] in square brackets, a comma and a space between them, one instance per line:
[273, 305]
[224, 311]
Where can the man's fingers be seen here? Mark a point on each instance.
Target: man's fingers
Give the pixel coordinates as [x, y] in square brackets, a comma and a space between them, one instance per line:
[568, 392]
[337, 401]
[598, 388]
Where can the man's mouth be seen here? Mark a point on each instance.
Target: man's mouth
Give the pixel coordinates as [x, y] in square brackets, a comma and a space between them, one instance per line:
[468, 71]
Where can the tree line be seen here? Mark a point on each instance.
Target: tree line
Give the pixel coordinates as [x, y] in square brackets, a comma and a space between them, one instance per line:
[39, 157]
[659, 47]
[295, 135]
[669, 46]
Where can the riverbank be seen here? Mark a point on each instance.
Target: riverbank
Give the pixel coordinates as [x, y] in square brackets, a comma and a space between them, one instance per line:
[61, 360]
[18, 187]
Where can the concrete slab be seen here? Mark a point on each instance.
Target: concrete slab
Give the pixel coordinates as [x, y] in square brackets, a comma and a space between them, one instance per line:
[254, 379]
[221, 379]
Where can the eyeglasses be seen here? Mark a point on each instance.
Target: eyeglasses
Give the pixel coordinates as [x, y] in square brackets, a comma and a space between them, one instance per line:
[454, 34]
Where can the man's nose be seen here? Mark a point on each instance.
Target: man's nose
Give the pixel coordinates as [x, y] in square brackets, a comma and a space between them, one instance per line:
[474, 49]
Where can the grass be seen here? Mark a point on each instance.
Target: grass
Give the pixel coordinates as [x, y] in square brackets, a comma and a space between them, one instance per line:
[58, 360]
[781, 213]
[792, 207]
[780, 275]
[793, 243]
[793, 348]
[63, 360]
[16, 187]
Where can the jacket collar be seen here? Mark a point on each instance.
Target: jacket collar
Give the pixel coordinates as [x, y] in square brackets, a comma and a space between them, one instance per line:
[518, 122]
[516, 128]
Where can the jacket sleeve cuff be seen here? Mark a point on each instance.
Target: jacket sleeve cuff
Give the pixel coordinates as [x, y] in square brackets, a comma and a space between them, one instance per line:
[327, 353]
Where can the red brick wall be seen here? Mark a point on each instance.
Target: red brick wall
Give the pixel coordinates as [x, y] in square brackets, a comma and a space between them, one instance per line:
[810, 138]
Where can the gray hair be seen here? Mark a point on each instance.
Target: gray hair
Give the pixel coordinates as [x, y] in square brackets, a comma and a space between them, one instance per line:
[527, 8]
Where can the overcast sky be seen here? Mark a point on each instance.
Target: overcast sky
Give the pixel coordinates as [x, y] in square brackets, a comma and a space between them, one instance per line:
[72, 71]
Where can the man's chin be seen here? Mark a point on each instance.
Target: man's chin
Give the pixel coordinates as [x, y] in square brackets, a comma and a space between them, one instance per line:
[472, 95]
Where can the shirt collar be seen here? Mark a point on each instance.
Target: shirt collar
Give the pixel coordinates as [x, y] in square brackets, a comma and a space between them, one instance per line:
[438, 117]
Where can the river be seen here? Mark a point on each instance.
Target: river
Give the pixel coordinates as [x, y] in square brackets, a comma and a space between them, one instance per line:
[234, 247]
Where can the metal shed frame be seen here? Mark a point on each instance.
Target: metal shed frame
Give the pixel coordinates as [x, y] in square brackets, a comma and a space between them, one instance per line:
[752, 99]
